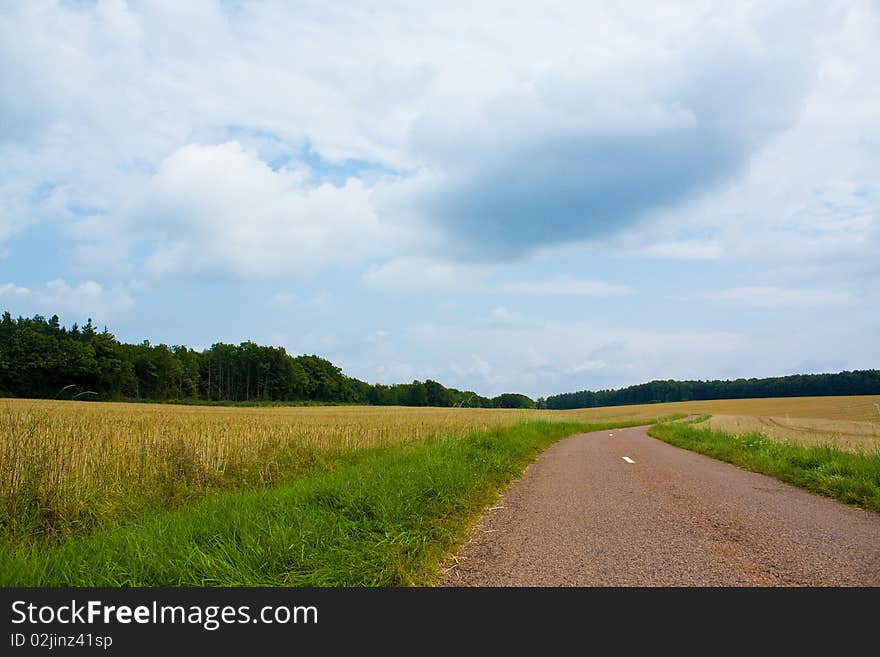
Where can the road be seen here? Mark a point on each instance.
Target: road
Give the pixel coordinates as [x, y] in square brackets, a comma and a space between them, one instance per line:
[619, 508]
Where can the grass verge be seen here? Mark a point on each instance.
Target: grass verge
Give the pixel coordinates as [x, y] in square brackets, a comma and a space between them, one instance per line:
[853, 478]
[385, 517]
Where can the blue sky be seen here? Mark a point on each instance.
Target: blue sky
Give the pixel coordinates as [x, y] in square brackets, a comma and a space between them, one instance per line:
[535, 199]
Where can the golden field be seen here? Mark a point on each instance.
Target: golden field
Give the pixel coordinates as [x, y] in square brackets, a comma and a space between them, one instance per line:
[850, 423]
[857, 408]
[64, 446]
[843, 434]
[59, 448]
[65, 466]
[65, 462]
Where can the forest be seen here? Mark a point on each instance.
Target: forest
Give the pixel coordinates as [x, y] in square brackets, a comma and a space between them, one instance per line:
[858, 382]
[40, 358]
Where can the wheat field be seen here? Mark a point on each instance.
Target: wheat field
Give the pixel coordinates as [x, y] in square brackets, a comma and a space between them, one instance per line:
[857, 408]
[59, 449]
[849, 423]
[848, 435]
[67, 465]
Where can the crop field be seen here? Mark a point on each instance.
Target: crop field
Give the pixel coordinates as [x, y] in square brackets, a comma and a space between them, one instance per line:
[847, 423]
[119, 481]
[136, 494]
[843, 434]
[856, 408]
[67, 466]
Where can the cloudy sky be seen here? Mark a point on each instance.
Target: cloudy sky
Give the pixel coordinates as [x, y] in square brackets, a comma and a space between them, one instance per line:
[535, 197]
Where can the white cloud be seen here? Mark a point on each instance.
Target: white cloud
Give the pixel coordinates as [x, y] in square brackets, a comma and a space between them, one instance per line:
[478, 367]
[221, 211]
[808, 207]
[566, 356]
[587, 366]
[260, 141]
[320, 303]
[391, 372]
[73, 303]
[775, 297]
[502, 317]
[567, 285]
[11, 289]
[455, 100]
[420, 275]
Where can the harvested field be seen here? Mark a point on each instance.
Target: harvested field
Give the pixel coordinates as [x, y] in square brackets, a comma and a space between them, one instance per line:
[844, 434]
[857, 408]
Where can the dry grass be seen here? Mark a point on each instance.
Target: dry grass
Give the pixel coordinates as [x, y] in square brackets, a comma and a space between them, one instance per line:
[858, 408]
[850, 423]
[856, 437]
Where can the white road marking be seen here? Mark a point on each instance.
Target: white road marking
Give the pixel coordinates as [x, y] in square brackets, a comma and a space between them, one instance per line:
[628, 459]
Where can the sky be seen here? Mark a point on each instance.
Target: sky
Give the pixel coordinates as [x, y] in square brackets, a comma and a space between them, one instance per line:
[503, 197]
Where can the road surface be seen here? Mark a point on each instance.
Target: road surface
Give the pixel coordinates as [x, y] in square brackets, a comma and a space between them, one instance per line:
[619, 508]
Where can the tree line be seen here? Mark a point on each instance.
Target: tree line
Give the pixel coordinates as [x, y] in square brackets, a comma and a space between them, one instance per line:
[858, 382]
[41, 358]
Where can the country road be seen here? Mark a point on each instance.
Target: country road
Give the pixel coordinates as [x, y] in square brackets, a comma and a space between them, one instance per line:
[619, 508]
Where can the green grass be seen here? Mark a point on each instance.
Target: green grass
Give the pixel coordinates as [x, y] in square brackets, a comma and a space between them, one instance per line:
[381, 517]
[845, 476]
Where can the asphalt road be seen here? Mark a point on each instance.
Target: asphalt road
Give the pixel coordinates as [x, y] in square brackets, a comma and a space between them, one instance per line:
[619, 508]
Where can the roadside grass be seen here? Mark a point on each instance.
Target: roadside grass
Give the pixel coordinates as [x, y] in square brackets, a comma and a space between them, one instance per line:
[853, 478]
[385, 516]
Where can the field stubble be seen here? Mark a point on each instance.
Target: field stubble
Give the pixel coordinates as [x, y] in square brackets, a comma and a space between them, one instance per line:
[847, 435]
[850, 423]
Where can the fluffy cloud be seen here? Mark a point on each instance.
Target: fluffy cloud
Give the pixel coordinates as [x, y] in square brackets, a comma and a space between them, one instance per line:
[476, 368]
[221, 211]
[423, 274]
[508, 130]
[432, 147]
[564, 356]
[88, 299]
[806, 212]
[565, 151]
[11, 289]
